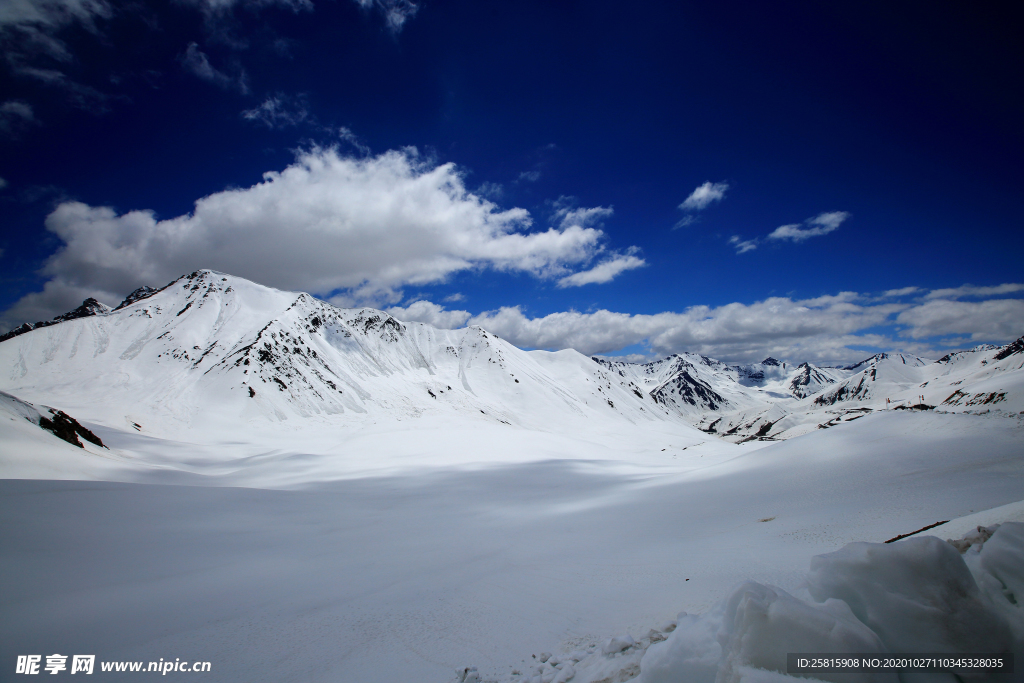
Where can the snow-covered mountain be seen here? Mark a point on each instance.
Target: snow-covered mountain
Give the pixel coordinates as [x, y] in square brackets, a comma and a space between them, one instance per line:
[450, 500]
[983, 378]
[210, 350]
[694, 386]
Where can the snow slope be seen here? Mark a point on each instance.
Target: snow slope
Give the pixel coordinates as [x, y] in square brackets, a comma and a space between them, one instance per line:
[981, 379]
[297, 492]
[211, 354]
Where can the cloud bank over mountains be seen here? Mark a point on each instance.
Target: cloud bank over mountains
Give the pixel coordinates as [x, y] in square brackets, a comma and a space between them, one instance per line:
[827, 329]
[355, 230]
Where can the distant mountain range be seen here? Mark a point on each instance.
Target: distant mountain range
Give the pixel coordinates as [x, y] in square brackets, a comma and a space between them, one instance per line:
[214, 351]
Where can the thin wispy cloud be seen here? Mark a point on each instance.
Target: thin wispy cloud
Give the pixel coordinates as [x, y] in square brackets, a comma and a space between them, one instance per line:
[396, 12]
[279, 111]
[903, 291]
[970, 291]
[705, 195]
[822, 224]
[15, 116]
[351, 138]
[196, 62]
[701, 198]
[742, 245]
[606, 271]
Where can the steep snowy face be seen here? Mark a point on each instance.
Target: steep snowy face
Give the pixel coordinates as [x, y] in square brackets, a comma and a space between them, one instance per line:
[884, 375]
[209, 350]
[88, 308]
[685, 384]
[810, 380]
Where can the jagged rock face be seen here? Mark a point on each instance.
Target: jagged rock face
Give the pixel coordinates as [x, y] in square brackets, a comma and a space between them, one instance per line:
[1011, 349]
[88, 308]
[211, 349]
[957, 356]
[809, 381]
[52, 420]
[688, 389]
[138, 295]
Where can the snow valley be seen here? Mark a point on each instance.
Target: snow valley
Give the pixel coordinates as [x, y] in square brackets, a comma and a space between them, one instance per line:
[295, 491]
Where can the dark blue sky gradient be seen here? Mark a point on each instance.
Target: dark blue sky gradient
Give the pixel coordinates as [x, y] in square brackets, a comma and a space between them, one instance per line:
[907, 117]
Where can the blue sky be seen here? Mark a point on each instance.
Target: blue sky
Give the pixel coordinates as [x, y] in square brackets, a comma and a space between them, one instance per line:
[738, 179]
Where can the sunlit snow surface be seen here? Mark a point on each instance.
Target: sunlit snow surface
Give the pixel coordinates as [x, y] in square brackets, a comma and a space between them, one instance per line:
[384, 533]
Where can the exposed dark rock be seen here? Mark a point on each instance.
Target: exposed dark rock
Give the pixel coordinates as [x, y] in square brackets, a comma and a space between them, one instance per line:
[65, 427]
[138, 295]
[1011, 349]
[88, 308]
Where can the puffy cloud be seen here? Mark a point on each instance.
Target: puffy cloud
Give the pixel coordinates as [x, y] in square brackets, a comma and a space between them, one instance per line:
[396, 12]
[813, 329]
[993, 320]
[964, 291]
[821, 224]
[431, 314]
[280, 111]
[742, 245]
[603, 272]
[704, 196]
[197, 63]
[326, 223]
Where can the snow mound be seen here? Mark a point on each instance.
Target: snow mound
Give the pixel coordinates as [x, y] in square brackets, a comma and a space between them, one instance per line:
[918, 595]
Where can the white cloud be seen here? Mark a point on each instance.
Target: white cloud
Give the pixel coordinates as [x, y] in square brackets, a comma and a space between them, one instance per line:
[581, 217]
[15, 115]
[825, 329]
[215, 7]
[351, 138]
[972, 291]
[493, 191]
[993, 320]
[396, 12]
[813, 329]
[431, 314]
[197, 63]
[904, 291]
[279, 111]
[367, 226]
[603, 272]
[457, 296]
[821, 224]
[742, 246]
[53, 13]
[704, 195]
[529, 176]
